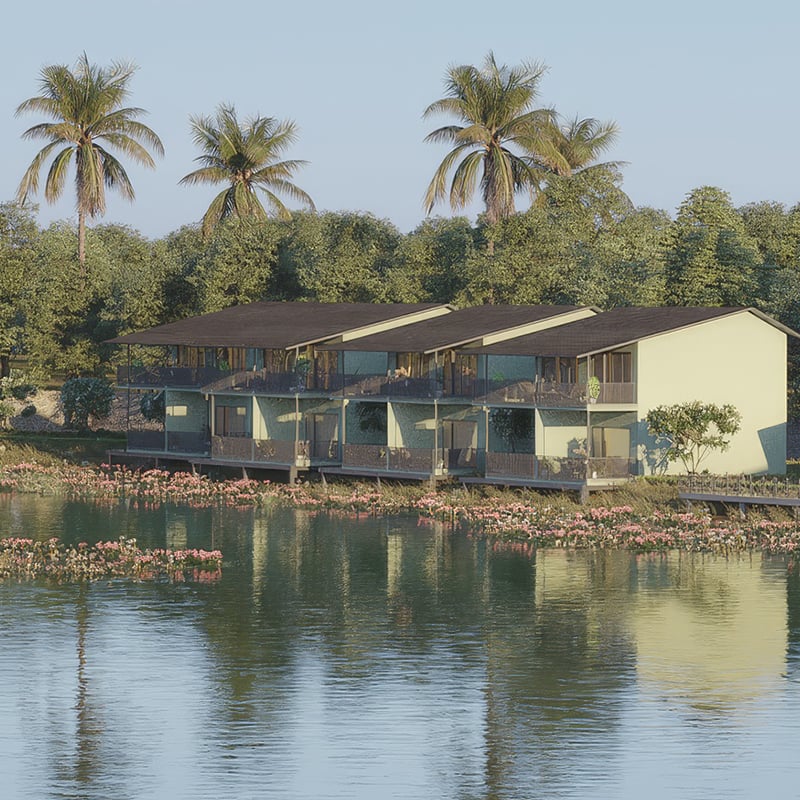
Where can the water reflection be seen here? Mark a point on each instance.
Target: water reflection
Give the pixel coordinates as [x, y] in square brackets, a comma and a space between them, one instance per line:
[379, 657]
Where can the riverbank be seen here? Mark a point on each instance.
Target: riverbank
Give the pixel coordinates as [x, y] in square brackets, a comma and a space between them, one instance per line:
[645, 516]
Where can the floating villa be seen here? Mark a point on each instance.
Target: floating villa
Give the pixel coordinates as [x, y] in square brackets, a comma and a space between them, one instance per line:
[541, 396]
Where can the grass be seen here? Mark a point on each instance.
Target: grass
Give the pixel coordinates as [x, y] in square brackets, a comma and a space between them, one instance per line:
[55, 448]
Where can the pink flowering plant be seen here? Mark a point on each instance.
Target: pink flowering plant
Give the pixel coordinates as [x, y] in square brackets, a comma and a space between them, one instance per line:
[536, 521]
[26, 559]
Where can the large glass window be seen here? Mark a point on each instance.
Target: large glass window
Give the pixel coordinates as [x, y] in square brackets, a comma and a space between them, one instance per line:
[415, 365]
[614, 367]
[460, 375]
[557, 369]
[231, 420]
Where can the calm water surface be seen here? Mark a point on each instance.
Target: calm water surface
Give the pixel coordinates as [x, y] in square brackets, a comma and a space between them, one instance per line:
[378, 658]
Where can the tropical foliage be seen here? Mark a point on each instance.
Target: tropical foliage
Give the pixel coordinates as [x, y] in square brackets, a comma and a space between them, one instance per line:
[582, 242]
[82, 398]
[85, 106]
[245, 156]
[693, 430]
[499, 130]
[503, 141]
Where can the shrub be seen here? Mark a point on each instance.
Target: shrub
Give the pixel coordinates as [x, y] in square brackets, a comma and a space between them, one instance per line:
[153, 406]
[19, 385]
[82, 398]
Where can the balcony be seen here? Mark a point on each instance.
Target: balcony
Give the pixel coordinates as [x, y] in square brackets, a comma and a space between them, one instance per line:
[280, 383]
[188, 442]
[550, 468]
[184, 442]
[389, 387]
[160, 377]
[243, 449]
[155, 441]
[548, 394]
[408, 459]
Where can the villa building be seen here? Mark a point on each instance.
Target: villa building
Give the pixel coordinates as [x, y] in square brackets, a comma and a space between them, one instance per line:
[528, 395]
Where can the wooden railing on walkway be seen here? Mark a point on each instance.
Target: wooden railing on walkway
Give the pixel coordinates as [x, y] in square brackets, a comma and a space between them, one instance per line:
[740, 486]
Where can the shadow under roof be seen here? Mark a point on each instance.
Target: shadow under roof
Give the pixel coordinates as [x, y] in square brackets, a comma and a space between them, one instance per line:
[274, 325]
[610, 329]
[451, 330]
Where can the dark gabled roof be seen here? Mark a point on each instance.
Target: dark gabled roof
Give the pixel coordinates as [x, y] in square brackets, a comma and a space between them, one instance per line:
[451, 330]
[611, 329]
[274, 325]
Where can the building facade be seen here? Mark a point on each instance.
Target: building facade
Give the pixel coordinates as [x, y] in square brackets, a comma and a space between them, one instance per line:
[529, 395]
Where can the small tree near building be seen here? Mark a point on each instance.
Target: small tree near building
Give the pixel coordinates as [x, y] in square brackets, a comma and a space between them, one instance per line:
[693, 430]
[82, 398]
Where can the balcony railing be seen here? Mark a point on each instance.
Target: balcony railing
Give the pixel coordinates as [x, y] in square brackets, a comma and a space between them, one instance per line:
[264, 382]
[188, 442]
[384, 386]
[179, 377]
[544, 394]
[266, 451]
[612, 467]
[547, 394]
[155, 441]
[408, 459]
[321, 450]
[544, 468]
[390, 459]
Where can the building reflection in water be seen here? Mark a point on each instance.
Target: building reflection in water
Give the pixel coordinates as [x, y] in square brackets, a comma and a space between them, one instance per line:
[379, 647]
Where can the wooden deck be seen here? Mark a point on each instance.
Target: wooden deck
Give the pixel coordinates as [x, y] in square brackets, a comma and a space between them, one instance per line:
[740, 500]
[197, 463]
[741, 491]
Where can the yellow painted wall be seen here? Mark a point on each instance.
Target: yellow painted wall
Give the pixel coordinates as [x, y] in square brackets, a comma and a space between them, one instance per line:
[739, 359]
[557, 431]
[274, 418]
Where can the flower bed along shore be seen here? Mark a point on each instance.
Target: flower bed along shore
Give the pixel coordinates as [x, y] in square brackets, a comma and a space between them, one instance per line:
[540, 521]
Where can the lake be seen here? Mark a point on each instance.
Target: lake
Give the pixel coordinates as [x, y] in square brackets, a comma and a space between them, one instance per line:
[381, 657]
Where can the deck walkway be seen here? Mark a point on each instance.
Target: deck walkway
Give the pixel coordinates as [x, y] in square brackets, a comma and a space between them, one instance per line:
[741, 491]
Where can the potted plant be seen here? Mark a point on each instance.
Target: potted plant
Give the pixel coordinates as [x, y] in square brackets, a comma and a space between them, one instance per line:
[593, 388]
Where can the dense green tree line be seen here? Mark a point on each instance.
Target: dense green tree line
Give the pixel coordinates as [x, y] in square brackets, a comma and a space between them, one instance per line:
[582, 243]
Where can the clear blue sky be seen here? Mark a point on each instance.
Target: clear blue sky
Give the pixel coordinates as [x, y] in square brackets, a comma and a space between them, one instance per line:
[704, 92]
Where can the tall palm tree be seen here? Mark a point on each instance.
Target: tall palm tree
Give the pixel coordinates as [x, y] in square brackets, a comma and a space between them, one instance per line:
[498, 132]
[246, 158]
[86, 106]
[579, 143]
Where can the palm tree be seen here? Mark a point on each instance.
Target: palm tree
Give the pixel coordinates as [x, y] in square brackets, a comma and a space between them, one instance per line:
[579, 142]
[245, 158]
[494, 107]
[85, 105]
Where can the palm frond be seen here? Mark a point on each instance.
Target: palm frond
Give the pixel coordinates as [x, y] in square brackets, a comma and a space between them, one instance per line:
[437, 189]
[57, 175]
[495, 103]
[86, 103]
[465, 179]
[247, 156]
